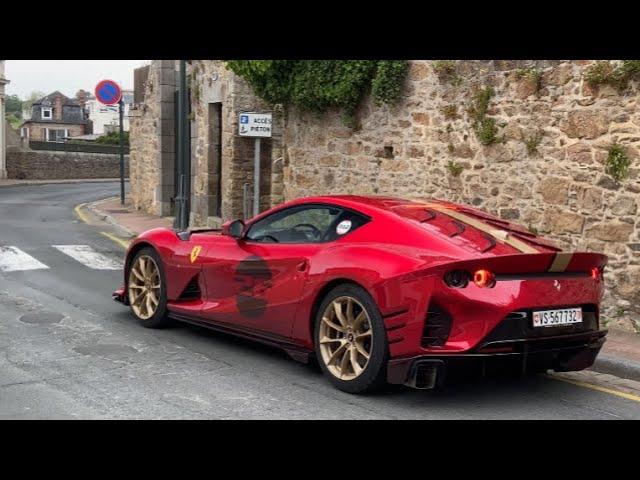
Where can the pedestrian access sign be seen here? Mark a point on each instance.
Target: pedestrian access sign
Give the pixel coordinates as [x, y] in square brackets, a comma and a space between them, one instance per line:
[254, 125]
[108, 92]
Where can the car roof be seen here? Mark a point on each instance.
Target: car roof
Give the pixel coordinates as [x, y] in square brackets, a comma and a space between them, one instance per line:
[365, 203]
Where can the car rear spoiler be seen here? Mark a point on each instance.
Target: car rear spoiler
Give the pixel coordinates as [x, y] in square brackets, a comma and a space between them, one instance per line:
[535, 263]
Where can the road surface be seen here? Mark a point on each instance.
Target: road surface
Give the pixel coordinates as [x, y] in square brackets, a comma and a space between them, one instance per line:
[68, 351]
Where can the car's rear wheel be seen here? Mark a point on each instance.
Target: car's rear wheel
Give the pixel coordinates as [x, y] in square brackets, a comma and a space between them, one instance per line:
[146, 289]
[350, 340]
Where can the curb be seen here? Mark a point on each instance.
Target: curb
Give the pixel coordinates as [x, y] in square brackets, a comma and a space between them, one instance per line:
[108, 218]
[620, 367]
[29, 183]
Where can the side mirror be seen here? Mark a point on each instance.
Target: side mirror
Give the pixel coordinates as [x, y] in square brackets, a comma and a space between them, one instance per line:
[233, 228]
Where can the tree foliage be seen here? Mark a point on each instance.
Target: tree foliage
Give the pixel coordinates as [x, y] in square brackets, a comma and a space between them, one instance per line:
[13, 104]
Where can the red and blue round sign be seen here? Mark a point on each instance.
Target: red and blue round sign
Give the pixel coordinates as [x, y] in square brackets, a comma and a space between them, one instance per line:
[108, 92]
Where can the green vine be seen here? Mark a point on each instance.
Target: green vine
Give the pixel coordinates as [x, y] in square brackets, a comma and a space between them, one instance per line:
[617, 163]
[485, 127]
[615, 74]
[318, 85]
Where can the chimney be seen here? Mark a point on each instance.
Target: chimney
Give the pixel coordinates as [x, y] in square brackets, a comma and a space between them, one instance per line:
[57, 108]
[81, 97]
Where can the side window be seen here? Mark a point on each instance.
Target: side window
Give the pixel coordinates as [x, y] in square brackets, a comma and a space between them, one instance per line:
[304, 224]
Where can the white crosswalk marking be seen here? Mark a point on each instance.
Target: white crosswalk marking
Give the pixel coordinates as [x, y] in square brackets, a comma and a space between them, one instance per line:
[12, 259]
[89, 257]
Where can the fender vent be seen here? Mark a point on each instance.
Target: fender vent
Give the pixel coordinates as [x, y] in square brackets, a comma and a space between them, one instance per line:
[437, 327]
[191, 291]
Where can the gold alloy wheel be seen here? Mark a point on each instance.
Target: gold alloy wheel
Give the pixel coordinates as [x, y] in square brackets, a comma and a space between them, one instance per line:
[144, 287]
[346, 338]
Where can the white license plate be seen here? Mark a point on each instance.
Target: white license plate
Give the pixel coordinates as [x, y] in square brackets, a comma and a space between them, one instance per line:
[552, 318]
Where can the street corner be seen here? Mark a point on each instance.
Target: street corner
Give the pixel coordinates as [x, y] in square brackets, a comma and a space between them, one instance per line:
[97, 214]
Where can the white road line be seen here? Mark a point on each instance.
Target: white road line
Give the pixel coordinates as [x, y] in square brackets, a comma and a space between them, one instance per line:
[13, 259]
[89, 257]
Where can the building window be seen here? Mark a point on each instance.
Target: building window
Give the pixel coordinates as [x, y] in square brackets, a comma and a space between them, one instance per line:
[24, 132]
[47, 113]
[56, 135]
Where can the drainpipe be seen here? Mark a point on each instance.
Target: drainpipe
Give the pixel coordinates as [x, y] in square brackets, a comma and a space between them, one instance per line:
[184, 177]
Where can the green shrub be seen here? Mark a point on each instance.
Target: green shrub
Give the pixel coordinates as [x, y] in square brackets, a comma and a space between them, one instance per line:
[113, 138]
[617, 163]
[485, 127]
[617, 75]
[455, 169]
[532, 75]
[532, 142]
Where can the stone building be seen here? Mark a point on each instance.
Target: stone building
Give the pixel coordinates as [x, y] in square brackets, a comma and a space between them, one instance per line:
[546, 170]
[53, 118]
[3, 124]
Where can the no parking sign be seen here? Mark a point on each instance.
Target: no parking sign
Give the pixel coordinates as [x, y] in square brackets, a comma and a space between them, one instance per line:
[108, 92]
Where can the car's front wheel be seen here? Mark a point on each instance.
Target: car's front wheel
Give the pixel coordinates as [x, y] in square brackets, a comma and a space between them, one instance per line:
[350, 340]
[146, 289]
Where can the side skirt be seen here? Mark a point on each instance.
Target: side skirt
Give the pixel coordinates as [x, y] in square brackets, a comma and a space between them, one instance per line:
[295, 351]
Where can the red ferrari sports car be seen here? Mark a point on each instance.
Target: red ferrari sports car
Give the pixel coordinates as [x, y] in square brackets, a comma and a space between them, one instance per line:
[379, 289]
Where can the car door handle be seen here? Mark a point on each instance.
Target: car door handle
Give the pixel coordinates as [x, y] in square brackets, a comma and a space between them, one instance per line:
[302, 266]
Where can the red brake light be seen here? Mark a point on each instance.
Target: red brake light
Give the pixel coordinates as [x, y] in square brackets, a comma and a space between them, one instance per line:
[596, 273]
[484, 278]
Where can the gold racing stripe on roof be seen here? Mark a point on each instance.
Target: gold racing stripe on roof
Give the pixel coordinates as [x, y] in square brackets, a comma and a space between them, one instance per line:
[560, 262]
[502, 235]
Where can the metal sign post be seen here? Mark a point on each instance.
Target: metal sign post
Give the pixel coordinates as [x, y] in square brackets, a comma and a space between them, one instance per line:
[257, 125]
[256, 177]
[121, 115]
[109, 92]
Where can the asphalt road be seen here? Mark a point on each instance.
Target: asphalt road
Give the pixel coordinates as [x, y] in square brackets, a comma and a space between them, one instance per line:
[68, 351]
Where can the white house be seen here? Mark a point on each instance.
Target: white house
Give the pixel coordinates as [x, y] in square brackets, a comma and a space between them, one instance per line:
[3, 146]
[105, 118]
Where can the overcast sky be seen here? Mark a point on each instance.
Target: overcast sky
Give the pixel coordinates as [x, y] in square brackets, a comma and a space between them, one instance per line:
[68, 76]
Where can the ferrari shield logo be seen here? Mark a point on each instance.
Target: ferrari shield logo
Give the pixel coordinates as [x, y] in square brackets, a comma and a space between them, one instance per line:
[195, 252]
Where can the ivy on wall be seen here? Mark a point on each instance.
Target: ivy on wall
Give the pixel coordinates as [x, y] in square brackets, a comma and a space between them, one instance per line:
[317, 85]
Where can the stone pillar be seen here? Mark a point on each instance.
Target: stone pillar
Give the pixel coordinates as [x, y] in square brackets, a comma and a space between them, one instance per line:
[166, 138]
[3, 124]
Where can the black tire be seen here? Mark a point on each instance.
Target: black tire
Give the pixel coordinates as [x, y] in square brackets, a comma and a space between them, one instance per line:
[160, 319]
[373, 377]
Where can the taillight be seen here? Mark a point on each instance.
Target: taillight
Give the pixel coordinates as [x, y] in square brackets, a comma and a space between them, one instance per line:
[484, 278]
[596, 273]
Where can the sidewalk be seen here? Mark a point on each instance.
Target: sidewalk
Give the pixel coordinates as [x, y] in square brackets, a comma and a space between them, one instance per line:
[10, 182]
[620, 355]
[126, 218]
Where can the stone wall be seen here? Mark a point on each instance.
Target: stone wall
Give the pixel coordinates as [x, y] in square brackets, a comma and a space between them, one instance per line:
[560, 191]
[152, 142]
[41, 165]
